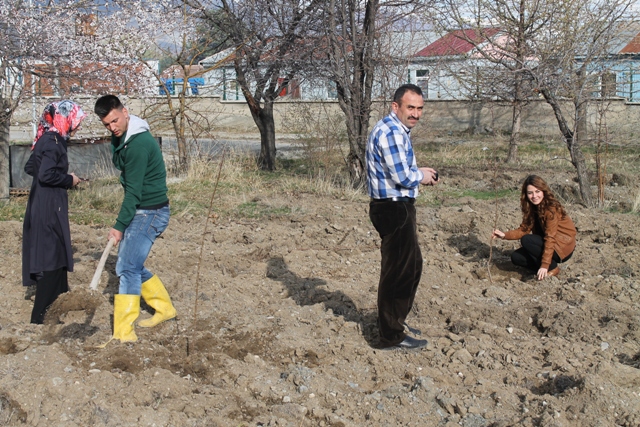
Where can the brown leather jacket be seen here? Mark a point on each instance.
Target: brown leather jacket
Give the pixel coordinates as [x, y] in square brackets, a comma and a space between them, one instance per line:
[559, 236]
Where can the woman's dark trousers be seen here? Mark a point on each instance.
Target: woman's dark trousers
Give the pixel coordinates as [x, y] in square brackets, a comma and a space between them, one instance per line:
[48, 287]
[530, 254]
[401, 266]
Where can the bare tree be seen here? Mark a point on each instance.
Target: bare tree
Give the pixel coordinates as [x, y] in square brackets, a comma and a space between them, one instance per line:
[352, 56]
[556, 48]
[570, 64]
[357, 55]
[502, 33]
[272, 46]
[170, 33]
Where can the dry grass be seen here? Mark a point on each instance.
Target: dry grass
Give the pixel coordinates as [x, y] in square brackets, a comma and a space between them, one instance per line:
[245, 191]
[636, 202]
[476, 151]
[96, 202]
[320, 136]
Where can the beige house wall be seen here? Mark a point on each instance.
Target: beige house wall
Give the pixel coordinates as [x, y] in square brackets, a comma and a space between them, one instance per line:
[232, 117]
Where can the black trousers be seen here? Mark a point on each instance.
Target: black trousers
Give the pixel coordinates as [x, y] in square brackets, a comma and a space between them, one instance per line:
[401, 266]
[530, 254]
[49, 286]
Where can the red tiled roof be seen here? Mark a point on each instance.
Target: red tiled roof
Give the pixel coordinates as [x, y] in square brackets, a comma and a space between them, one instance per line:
[633, 46]
[457, 42]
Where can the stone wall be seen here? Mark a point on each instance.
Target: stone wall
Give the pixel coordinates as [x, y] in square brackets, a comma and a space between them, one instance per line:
[623, 119]
[86, 160]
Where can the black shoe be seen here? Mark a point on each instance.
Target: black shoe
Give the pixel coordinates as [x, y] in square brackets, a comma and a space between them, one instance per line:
[414, 331]
[30, 292]
[411, 343]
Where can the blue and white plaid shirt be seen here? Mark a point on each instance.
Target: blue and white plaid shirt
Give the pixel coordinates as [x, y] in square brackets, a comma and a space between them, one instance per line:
[391, 165]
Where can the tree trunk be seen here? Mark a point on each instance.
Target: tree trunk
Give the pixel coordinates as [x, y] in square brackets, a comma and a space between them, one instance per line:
[475, 115]
[183, 154]
[356, 158]
[581, 122]
[352, 55]
[177, 123]
[5, 170]
[263, 117]
[512, 157]
[521, 49]
[357, 133]
[573, 144]
[183, 158]
[577, 158]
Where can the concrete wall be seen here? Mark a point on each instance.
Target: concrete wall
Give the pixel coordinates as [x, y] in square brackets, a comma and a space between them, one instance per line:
[85, 160]
[623, 119]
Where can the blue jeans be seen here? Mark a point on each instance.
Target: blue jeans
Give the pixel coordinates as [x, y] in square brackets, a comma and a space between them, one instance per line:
[135, 246]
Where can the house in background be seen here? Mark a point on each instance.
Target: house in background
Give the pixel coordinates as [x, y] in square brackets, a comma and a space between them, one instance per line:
[90, 78]
[442, 67]
[220, 77]
[220, 80]
[445, 68]
[620, 68]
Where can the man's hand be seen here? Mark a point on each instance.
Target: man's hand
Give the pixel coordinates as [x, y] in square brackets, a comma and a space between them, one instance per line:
[115, 235]
[429, 175]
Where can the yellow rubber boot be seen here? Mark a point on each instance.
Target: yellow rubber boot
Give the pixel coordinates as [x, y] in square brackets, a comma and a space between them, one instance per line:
[156, 296]
[126, 309]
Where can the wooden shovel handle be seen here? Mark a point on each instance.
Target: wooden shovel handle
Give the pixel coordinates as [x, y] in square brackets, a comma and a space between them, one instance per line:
[103, 260]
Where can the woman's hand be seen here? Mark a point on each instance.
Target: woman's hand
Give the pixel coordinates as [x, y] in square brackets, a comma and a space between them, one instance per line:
[497, 234]
[76, 180]
[542, 273]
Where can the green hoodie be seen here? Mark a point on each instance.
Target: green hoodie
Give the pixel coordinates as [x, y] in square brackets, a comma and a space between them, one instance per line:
[143, 176]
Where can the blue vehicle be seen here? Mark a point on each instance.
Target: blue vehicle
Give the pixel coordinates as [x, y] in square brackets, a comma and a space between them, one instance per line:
[194, 84]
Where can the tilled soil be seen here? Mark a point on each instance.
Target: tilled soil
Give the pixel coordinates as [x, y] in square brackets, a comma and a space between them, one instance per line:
[277, 323]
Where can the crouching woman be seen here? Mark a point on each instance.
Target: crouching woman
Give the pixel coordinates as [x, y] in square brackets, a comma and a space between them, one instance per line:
[547, 234]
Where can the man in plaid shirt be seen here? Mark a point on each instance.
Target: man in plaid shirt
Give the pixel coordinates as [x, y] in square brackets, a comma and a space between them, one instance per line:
[394, 178]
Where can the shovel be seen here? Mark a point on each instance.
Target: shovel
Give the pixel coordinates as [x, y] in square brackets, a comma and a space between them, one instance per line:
[103, 260]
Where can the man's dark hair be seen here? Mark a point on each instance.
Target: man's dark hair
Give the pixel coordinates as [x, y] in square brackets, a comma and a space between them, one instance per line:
[397, 97]
[105, 104]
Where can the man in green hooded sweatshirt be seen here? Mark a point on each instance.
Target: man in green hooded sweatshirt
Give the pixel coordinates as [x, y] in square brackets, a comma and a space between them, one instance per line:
[143, 216]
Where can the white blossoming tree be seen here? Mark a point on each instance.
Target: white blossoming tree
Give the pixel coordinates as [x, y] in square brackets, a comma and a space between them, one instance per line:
[22, 38]
[70, 47]
[89, 47]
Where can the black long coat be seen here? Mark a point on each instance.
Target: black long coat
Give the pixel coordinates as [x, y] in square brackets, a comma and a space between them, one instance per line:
[46, 237]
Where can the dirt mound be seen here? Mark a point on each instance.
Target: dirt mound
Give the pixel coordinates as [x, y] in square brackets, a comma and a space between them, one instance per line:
[80, 300]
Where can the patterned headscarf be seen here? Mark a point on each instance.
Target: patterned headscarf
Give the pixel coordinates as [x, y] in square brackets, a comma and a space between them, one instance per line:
[61, 117]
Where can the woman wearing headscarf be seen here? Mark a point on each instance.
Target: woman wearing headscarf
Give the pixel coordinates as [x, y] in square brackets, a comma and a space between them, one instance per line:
[46, 237]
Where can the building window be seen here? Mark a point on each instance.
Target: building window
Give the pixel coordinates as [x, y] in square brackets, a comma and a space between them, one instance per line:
[608, 87]
[332, 90]
[422, 81]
